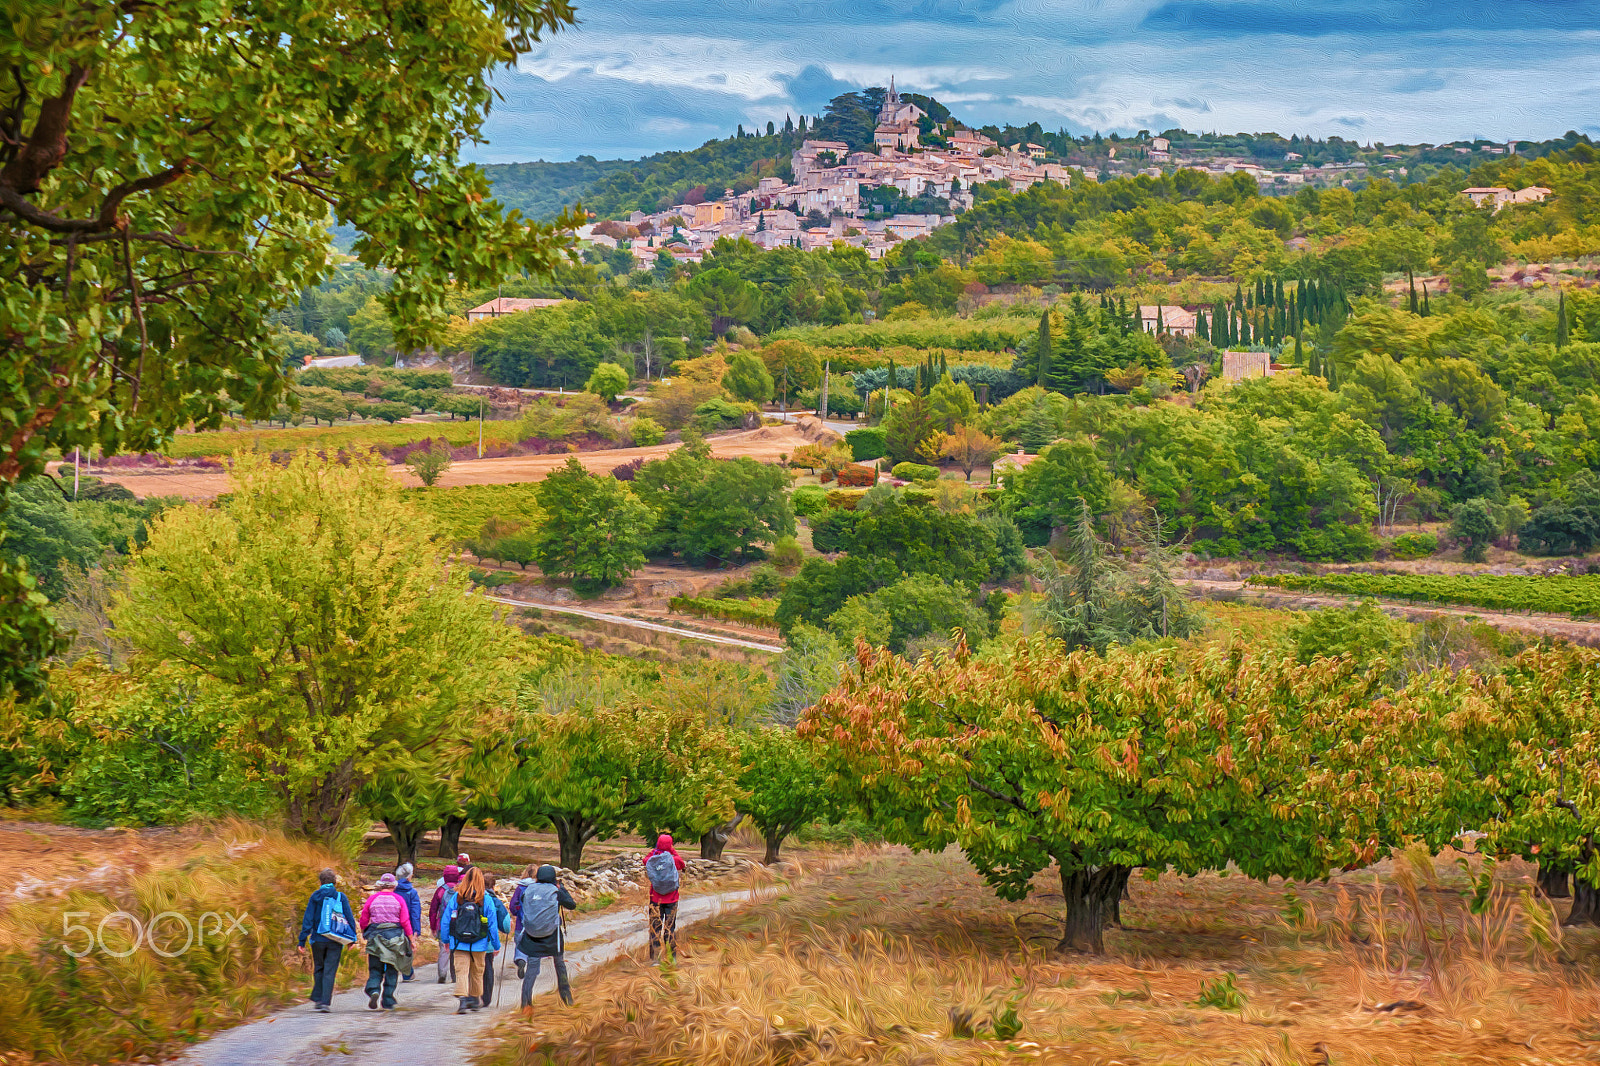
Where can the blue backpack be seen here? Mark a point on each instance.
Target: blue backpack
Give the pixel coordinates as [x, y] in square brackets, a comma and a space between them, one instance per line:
[332, 924]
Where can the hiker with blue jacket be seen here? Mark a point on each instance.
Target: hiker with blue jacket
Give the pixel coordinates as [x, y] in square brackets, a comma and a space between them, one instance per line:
[469, 929]
[330, 925]
[543, 935]
[663, 867]
[408, 892]
[501, 920]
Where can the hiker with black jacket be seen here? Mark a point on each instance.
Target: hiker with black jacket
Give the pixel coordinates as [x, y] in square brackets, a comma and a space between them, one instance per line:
[542, 933]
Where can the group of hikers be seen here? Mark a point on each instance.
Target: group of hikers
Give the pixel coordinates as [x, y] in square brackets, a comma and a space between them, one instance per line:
[468, 920]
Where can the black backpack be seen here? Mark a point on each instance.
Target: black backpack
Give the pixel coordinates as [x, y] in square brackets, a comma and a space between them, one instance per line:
[469, 924]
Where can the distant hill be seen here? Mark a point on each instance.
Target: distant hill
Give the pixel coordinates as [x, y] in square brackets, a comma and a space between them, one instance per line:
[611, 188]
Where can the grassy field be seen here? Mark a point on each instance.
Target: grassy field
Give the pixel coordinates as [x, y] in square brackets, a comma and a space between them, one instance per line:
[461, 510]
[911, 960]
[350, 435]
[146, 1006]
[1577, 596]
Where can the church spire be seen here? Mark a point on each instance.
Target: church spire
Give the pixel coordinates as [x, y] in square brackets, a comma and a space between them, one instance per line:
[894, 97]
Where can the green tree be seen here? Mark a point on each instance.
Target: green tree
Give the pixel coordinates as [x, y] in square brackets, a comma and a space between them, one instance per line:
[607, 381]
[908, 426]
[787, 788]
[1474, 524]
[430, 463]
[727, 298]
[714, 509]
[793, 366]
[920, 610]
[747, 379]
[316, 599]
[594, 529]
[1044, 350]
[43, 531]
[595, 771]
[145, 255]
[370, 331]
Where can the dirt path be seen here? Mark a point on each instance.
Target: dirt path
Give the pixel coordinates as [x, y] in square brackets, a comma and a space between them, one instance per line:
[765, 444]
[423, 1027]
[1544, 625]
[635, 623]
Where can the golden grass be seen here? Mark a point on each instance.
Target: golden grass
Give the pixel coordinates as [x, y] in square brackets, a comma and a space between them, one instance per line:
[101, 1008]
[896, 959]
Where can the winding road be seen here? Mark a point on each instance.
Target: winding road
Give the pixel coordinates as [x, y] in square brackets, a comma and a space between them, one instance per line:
[423, 1028]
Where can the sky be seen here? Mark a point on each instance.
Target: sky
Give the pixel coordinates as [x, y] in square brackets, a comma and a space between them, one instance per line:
[642, 76]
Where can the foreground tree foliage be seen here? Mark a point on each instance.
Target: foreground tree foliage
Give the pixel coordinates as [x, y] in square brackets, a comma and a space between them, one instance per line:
[167, 174]
[344, 644]
[1103, 765]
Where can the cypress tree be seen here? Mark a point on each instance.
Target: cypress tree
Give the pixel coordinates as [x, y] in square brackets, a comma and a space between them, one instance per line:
[1122, 315]
[1425, 311]
[1411, 300]
[1044, 349]
[1244, 332]
[1277, 298]
[1200, 328]
[1238, 297]
[1299, 353]
[890, 383]
[1294, 312]
[1561, 321]
[1219, 324]
[1261, 291]
[944, 364]
[1160, 326]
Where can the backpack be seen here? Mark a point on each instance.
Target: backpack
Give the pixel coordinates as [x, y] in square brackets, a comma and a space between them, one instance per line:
[541, 913]
[662, 872]
[468, 924]
[332, 924]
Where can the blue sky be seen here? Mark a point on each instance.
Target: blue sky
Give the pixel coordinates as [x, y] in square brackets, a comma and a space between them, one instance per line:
[641, 76]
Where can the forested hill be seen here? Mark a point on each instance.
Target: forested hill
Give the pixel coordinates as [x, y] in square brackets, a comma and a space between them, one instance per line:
[613, 187]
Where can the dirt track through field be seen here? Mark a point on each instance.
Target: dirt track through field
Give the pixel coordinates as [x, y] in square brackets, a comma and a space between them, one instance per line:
[423, 1027]
[765, 444]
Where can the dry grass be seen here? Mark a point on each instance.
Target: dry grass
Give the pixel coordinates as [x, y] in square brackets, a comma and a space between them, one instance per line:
[101, 1008]
[897, 958]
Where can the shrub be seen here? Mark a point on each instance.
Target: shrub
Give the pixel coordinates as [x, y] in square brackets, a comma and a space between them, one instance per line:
[627, 471]
[786, 556]
[765, 581]
[867, 443]
[915, 472]
[647, 432]
[430, 463]
[842, 500]
[856, 476]
[717, 414]
[808, 500]
[746, 612]
[1414, 545]
[830, 531]
[607, 380]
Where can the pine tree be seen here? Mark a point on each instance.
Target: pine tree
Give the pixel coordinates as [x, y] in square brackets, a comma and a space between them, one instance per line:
[1561, 321]
[1044, 349]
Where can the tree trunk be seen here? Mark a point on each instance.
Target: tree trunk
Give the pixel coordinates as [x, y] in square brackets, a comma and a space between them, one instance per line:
[774, 842]
[1121, 894]
[573, 834]
[1091, 896]
[321, 812]
[450, 836]
[716, 838]
[407, 837]
[1585, 903]
[1553, 881]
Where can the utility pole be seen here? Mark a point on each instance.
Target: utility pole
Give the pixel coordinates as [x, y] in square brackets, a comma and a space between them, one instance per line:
[480, 426]
[77, 462]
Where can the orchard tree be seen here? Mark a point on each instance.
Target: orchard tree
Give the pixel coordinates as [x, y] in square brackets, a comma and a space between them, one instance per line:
[594, 772]
[1101, 765]
[714, 509]
[788, 788]
[167, 175]
[315, 597]
[594, 529]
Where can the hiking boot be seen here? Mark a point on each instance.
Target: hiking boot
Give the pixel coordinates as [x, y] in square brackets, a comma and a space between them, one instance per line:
[462, 1009]
[372, 1001]
[322, 1008]
[474, 1005]
[522, 969]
